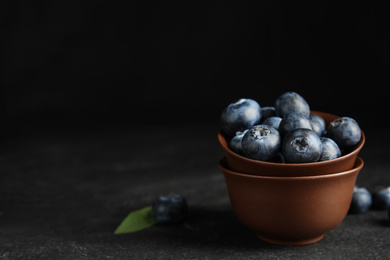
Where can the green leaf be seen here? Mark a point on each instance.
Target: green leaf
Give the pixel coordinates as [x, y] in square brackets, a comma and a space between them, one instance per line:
[136, 221]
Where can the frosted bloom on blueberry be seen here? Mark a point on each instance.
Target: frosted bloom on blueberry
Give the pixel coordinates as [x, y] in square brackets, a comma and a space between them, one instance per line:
[240, 116]
[330, 150]
[361, 200]
[261, 142]
[291, 102]
[301, 146]
[345, 131]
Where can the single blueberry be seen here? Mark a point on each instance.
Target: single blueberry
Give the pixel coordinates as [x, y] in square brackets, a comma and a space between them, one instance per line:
[319, 119]
[361, 200]
[261, 142]
[267, 112]
[330, 150]
[294, 121]
[235, 142]
[170, 209]
[273, 121]
[381, 199]
[291, 102]
[240, 115]
[345, 131]
[317, 127]
[301, 146]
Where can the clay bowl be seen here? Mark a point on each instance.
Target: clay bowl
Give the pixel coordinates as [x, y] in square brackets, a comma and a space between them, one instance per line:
[291, 210]
[246, 165]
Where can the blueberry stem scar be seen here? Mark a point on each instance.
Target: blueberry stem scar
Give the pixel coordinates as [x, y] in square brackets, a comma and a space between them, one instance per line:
[261, 132]
[300, 144]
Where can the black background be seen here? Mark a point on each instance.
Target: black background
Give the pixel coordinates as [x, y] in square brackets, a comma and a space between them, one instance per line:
[106, 106]
[102, 63]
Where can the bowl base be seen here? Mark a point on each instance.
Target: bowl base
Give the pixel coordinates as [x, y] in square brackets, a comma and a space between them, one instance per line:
[290, 242]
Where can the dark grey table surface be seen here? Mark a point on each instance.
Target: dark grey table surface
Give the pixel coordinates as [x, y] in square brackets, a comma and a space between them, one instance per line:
[63, 193]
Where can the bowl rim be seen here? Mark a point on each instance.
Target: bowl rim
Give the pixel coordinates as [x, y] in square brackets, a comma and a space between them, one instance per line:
[357, 148]
[359, 163]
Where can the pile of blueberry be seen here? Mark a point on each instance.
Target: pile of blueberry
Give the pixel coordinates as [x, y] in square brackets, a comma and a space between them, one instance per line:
[363, 200]
[287, 132]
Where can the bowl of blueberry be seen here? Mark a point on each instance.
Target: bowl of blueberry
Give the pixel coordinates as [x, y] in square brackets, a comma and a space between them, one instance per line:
[287, 139]
[291, 210]
[290, 171]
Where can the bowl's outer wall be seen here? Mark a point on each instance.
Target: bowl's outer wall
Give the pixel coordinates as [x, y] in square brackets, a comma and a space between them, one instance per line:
[242, 164]
[291, 209]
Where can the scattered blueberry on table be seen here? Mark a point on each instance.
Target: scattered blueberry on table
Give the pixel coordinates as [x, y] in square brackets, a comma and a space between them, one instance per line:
[361, 200]
[381, 199]
[268, 131]
[170, 209]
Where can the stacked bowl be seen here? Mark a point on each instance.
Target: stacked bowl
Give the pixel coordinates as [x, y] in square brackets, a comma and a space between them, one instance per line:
[291, 203]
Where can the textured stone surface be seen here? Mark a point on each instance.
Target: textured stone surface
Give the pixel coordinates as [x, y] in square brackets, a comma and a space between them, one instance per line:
[63, 193]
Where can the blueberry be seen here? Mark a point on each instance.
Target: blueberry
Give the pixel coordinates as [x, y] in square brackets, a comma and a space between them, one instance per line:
[317, 127]
[294, 121]
[291, 102]
[301, 146]
[273, 121]
[345, 131]
[261, 142]
[235, 142]
[240, 115]
[381, 199]
[319, 119]
[267, 112]
[170, 209]
[330, 150]
[361, 200]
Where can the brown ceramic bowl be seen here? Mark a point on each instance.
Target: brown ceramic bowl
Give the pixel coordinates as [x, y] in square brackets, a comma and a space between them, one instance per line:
[246, 165]
[291, 210]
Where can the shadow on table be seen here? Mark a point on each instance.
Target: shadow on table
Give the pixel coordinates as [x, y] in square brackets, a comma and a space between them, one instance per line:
[212, 228]
[383, 222]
